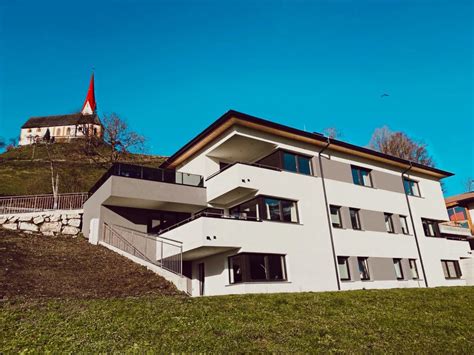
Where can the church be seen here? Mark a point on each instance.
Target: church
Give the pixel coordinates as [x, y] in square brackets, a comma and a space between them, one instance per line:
[64, 128]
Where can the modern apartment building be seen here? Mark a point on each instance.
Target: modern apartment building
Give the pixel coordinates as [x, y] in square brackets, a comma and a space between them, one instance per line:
[251, 206]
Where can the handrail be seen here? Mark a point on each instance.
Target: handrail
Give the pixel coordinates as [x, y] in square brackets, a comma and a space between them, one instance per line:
[243, 163]
[43, 202]
[147, 235]
[211, 215]
[150, 174]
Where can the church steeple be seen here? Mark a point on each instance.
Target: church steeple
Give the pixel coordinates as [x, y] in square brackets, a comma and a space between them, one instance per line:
[89, 105]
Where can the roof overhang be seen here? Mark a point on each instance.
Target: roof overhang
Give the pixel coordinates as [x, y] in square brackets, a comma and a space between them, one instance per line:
[235, 118]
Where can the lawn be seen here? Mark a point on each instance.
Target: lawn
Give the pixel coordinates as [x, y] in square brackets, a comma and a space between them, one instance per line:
[97, 301]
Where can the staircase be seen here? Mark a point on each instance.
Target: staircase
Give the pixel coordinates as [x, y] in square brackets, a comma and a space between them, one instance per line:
[161, 255]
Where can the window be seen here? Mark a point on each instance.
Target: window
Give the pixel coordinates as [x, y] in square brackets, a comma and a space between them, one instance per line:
[397, 263]
[343, 264]
[336, 216]
[267, 208]
[355, 219]
[29, 130]
[389, 223]
[361, 176]
[430, 227]
[288, 161]
[253, 267]
[414, 269]
[459, 214]
[280, 210]
[451, 269]
[411, 187]
[404, 225]
[363, 268]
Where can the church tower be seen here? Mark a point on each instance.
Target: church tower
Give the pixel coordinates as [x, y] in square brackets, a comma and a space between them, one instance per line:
[89, 106]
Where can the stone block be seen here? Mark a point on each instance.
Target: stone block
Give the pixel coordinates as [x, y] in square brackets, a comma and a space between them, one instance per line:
[38, 220]
[50, 227]
[13, 219]
[11, 226]
[26, 226]
[74, 222]
[25, 218]
[70, 230]
[3, 220]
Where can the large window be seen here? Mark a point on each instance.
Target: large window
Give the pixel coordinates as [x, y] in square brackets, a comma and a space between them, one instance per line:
[363, 264]
[288, 161]
[343, 264]
[355, 218]
[361, 176]
[411, 187]
[253, 267]
[414, 269]
[459, 214]
[336, 216]
[430, 227]
[268, 208]
[451, 269]
[404, 225]
[397, 264]
[389, 222]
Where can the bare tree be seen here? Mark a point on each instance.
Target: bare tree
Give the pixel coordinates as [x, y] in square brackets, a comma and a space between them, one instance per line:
[117, 140]
[54, 178]
[469, 184]
[2, 143]
[400, 145]
[332, 132]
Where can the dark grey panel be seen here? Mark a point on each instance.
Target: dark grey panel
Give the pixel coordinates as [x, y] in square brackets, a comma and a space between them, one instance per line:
[385, 181]
[354, 268]
[346, 219]
[381, 269]
[372, 220]
[396, 224]
[406, 269]
[336, 170]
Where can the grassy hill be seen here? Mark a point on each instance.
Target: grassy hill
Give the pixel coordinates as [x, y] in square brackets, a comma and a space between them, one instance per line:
[63, 295]
[26, 170]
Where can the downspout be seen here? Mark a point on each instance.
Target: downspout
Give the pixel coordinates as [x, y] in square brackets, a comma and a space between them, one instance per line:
[328, 213]
[413, 225]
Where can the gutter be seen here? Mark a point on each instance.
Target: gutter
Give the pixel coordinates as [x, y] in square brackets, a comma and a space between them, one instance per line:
[413, 225]
[328, 213]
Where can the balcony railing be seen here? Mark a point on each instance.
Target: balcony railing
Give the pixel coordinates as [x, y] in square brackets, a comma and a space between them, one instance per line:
[240, 216]
[38, 203]
[151, 174]
[239, 162]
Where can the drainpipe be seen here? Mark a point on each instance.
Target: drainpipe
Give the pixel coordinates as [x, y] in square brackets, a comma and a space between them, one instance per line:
[413, 225]
[328, 213]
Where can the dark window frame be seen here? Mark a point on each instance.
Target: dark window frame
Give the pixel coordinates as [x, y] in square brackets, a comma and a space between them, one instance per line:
[404, 218]
[346, 259]
[399, 261]
[357, 217]
[413, 265]
[246, 272]
[365, 261]
[390, 219]
[358, 170]
[457, 269]
[280, 153]
[340, 225]
[426, 222]
[260, 203]
[408, 188]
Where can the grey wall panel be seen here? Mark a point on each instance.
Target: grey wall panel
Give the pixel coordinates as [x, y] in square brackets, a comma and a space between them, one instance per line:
[381, 269]
[336, 170]
[354, 268]
[346, 219]
[406, 269]
[385, 181]
[372, 220]
[396, 224]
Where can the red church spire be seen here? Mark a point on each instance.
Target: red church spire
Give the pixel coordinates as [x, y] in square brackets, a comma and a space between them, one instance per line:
[89, 105]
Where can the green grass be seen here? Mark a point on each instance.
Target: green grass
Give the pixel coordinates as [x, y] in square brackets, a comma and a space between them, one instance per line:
[26, 170]
[403, 320]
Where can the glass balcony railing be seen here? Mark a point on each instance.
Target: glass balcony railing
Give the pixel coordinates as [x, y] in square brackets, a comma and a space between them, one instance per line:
[151, 174]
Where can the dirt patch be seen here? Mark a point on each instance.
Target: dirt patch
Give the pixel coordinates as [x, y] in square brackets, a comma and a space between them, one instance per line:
[33, 267]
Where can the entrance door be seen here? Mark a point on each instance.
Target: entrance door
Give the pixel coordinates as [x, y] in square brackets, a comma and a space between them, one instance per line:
[201, 277]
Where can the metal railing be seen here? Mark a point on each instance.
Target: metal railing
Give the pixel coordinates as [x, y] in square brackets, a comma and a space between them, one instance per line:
[241, 216]
[163, 252]
[39, 203]
[257, 165]
[151, 174]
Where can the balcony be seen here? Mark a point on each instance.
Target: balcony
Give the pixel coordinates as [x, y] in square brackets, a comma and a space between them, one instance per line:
[452, 229]
[237, 181]
[127, 185]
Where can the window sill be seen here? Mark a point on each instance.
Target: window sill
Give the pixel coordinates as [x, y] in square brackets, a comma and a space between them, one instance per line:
[259, 283]
[285, 222]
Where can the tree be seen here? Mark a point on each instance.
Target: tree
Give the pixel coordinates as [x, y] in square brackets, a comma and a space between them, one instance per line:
[469, 184]
[400, 145]
[332, 132]
[117, 140]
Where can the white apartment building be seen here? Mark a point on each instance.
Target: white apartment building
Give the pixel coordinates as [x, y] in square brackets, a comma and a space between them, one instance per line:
[251, 206]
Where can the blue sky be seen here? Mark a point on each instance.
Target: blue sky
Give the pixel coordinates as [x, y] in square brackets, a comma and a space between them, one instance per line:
[173, 67]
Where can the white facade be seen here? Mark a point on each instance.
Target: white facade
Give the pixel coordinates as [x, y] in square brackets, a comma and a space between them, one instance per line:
[64, 133]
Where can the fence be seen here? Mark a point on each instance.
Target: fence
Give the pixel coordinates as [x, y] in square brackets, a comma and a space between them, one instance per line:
[38, 203]
[163, 252]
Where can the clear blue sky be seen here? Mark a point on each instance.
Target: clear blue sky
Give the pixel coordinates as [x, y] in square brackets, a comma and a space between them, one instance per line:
[172, 67]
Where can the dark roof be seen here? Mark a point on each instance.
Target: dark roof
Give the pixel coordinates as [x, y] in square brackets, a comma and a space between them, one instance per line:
[231, 113]
[461, 199]
[61, 120]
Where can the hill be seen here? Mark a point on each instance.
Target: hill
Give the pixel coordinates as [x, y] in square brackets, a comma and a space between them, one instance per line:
[26, 170]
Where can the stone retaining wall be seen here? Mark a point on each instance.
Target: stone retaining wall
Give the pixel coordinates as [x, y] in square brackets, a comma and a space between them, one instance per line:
[47, 223]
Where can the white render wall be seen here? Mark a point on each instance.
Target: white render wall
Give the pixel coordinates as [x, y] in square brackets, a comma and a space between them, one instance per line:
[55, 131]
